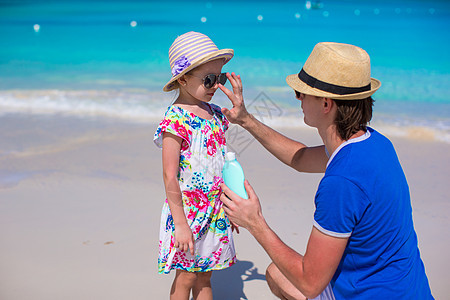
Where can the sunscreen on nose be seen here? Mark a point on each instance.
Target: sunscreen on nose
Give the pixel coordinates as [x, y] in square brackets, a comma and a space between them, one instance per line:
[233, 175]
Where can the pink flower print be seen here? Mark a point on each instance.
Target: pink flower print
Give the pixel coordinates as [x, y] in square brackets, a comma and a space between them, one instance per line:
[165, 122]
[175, 259]
[180, 257]
[219, 137]
[217, 181]
[224, 240]
[192, 214]
[197, 199]
[216, 255]
[211, 145]
[181, 130]
[197, 229]
[172, 241]
[206, 128]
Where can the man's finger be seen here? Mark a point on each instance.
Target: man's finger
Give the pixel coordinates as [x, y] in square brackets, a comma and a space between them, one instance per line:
[226, 112]
[231, 79]
[238, 81]
[228, 212]
[235, 83]
[236, 227]
[225, 90]
[232, 195]
[225, 200]
[249, 189]
[229, 94]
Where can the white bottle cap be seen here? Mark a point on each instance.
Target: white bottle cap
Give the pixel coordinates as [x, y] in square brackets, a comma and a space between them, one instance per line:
[230, 156]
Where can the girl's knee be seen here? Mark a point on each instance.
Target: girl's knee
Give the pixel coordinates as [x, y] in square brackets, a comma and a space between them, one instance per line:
[204, 276]
[186, 278]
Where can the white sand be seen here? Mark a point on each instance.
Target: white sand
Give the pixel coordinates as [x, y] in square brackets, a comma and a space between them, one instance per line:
[80, 202]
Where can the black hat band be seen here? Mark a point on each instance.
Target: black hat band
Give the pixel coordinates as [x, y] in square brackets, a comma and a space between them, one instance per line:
[330, 88]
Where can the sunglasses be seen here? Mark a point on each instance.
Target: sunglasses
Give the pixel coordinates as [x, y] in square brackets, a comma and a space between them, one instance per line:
[210, 80]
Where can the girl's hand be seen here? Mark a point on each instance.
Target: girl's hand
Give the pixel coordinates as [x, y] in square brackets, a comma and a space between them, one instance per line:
[238, 113]
[184, 239]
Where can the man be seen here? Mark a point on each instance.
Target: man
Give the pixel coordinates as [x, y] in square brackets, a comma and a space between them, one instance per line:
[362, 244]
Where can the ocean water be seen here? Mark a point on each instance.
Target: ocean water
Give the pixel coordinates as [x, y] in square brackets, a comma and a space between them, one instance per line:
[109, 58]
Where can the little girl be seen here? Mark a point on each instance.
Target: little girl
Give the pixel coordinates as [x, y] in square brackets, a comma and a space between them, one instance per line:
[195, 234]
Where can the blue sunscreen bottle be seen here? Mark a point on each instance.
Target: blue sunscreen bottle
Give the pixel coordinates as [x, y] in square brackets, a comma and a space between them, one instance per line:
[233, 175]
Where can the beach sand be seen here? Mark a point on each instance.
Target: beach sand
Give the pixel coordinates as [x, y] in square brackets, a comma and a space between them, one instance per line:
[80, 203]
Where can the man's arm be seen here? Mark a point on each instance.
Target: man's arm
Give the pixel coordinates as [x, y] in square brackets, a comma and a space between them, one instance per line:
[295, 154]
[310, 273]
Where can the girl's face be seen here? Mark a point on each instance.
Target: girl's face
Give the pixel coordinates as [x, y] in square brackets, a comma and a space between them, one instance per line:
[192, 83]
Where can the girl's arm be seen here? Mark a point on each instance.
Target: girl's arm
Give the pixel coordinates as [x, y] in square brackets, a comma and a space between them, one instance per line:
[184, 238]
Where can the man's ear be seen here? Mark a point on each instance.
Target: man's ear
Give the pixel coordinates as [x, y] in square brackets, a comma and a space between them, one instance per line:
[327, 104]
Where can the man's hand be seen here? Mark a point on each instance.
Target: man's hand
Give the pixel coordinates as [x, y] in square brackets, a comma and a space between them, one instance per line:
[238, 114]
[242, 212]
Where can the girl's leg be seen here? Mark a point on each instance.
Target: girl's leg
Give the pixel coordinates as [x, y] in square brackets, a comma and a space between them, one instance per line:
[182, 284]
[202, 289]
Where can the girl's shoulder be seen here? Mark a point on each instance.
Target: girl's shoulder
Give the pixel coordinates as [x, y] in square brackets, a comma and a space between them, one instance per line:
[215, 109]
[175, 111]
[177, 122]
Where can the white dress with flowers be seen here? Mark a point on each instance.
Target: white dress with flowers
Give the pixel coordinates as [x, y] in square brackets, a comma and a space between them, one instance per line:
[200, 175]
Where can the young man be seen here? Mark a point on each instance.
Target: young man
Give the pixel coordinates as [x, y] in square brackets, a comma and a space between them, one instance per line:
[362, 244]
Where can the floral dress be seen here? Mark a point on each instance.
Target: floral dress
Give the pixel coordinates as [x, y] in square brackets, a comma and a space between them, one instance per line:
[200, 175]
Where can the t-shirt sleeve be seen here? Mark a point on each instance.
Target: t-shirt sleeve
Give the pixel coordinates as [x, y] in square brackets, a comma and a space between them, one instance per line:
[340, 205]
[177, 124]
[218, 112]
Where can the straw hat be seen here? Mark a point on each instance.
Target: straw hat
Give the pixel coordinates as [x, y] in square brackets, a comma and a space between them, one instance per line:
[336, 71]
[191, 50]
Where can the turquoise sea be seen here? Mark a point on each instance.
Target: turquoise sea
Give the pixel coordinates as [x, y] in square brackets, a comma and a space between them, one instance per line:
[109, 58]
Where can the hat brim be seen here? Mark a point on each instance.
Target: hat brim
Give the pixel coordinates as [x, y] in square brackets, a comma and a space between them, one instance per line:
[226, 54]
[294, 82]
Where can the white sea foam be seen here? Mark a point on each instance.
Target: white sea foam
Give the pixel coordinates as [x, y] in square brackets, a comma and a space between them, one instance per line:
[136, 106]
[148, 106]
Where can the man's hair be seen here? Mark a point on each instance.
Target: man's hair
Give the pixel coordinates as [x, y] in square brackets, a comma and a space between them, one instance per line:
[352, 116]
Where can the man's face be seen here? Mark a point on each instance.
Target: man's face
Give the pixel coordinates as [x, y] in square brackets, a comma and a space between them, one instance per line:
[312, 108]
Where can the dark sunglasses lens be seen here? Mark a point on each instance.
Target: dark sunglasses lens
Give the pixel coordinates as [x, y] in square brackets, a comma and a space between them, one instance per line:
[222, 78]
[210, 80]
[297, 94]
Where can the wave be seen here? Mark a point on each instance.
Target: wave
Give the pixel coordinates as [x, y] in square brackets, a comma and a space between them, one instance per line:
[132, 105]
[144, 106]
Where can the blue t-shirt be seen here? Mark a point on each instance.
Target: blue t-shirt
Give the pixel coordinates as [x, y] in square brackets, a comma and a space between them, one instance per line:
[364, 196]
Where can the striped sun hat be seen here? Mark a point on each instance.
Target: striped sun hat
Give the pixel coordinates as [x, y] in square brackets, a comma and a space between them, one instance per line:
[191, 50]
